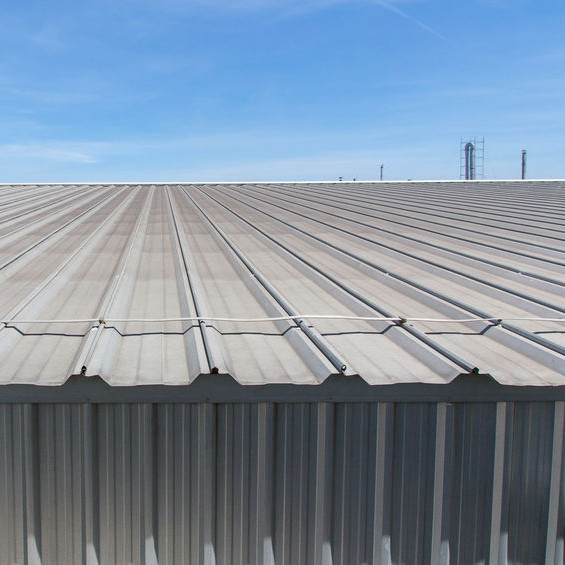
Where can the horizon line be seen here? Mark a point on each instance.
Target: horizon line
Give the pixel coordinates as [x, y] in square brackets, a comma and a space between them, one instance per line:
[163, 183]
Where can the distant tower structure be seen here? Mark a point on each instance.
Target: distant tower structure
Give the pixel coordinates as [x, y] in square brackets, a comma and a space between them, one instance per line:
[472, 159]
[524, 157]
[470, 164]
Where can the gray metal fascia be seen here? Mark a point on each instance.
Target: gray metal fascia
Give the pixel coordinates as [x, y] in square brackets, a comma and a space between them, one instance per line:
[225, 389]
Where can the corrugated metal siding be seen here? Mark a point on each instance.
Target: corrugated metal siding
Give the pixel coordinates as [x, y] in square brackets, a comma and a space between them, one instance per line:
[282, 484]
[469, 489]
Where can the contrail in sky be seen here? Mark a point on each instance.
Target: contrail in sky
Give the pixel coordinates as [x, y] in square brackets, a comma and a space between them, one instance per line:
[408, 17]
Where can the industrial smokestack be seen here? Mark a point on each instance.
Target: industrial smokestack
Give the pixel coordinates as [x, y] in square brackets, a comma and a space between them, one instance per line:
[470, 171]
[524, 156]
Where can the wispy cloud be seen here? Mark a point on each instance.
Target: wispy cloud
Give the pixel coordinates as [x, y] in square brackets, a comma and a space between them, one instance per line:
[395, 9]
[289, 8]
[300, 8]
[47, 151]
[202, 158]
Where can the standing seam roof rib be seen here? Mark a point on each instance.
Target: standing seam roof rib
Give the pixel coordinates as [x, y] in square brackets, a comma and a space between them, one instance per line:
[525, 295]
[137, 258]
[444, 234]
[419, 335]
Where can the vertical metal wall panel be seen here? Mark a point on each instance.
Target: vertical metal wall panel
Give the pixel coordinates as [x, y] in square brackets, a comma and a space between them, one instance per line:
[439, 550]
[560, 541]
[183, 474]
[471, 472]
[355, 450]
[167, 498]
[11, 497]
[275, 483]
[321, 485]
[291, 498]
[529, 481]
[555, 527]
[30, 464]
[381, 476]
[413, 475]
[244, 485]
[62, 482]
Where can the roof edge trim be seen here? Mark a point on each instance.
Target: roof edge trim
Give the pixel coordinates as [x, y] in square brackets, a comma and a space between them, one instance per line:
[224, 389]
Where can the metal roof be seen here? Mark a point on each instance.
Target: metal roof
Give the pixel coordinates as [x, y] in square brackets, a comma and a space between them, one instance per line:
[157, 284]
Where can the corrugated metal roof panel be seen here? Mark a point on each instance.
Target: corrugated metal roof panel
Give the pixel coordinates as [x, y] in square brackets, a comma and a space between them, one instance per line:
[109, 280]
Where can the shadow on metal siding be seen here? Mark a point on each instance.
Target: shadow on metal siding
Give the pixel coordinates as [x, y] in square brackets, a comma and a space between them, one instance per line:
[282, 483]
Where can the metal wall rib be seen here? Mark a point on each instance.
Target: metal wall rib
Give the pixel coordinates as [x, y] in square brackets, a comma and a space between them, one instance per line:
[317, 483]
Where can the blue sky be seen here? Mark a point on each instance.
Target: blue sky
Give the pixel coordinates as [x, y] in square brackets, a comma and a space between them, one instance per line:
[135, 90]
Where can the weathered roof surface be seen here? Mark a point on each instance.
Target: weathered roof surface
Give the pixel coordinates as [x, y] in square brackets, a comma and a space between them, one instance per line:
[93, 279]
